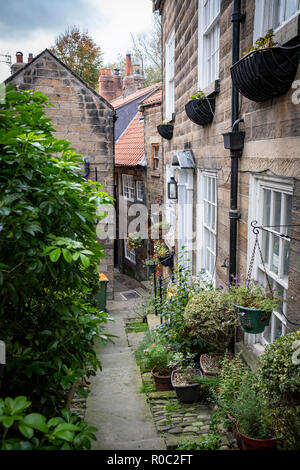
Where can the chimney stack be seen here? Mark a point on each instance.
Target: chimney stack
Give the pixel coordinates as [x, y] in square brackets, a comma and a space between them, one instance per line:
[110, 86]
[19, 62]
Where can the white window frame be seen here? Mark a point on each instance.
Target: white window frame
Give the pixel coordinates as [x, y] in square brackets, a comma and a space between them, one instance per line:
[266, 14]
[202, 227]
[170, 75]
[206, 74]
[129, 254]
[128, 187]
[140, 194]
[170, 208]
[256, 207]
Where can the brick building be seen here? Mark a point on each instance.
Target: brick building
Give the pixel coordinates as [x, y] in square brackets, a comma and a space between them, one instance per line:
[198, 48]
[80, 116]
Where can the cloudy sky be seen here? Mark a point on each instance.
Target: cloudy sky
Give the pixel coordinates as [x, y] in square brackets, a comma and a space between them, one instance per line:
[33, 25]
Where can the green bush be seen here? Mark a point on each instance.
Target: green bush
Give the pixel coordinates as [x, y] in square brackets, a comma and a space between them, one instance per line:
[49, 255]
[20, 430]
[209, 442]
[231, 377]
[279, 374]
[209, 316]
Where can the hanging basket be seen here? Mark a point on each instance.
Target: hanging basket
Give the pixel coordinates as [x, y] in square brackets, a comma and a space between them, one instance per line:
[201, 112]
[165, 131]
[166, 260]
[266, 73]
[253, 320]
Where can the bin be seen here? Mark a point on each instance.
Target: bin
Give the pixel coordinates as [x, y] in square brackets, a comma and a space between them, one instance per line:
[100, 296]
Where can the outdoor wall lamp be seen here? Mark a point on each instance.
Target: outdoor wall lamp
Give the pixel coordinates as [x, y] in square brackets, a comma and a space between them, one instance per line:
[172, 188]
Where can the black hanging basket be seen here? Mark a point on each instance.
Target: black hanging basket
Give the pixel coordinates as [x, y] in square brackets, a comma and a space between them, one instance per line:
[166, 260]
[165, 130]
[201, 112]
[266, 73]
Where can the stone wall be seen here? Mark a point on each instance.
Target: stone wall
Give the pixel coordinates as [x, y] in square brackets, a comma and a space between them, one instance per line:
[272, 130]
[80, 116]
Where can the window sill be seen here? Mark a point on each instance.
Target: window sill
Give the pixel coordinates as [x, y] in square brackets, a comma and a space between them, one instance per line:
[155, 173]
[212, 89]
[288, 31]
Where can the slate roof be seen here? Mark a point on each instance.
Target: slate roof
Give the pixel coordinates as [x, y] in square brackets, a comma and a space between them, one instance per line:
[129, 150]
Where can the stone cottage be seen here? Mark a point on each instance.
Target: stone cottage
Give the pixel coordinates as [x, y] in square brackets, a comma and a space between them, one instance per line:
[81, 116]
[221, 191]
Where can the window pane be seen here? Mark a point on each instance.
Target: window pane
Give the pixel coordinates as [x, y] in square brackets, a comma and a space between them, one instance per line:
[291, 7]
[286, 251]
[275, 261]
[265, 246]
[288, 217]
[277, 211]
[267, 207]
[277, 327]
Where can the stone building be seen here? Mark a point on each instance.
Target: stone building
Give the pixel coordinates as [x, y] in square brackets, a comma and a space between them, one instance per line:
[81, 116]
[198, 45]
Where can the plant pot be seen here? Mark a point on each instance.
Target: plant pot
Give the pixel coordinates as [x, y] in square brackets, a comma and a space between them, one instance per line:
[266, 73]
[201, 112]
[162, 382]
[253, 320]
[165, 131]
[250, 443]
[187, 393]
[207, 372]
[166, 260]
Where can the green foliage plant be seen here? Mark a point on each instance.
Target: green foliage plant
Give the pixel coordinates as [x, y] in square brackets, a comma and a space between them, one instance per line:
[209, 316]
[160, 249]
[232, 375]
[264, 42]
[210, 442]
[253, 294]
[157, 357]
[199, 95]
[49, 256]
[250, 411]
[279, 374]
[21, 430]
[134, 241]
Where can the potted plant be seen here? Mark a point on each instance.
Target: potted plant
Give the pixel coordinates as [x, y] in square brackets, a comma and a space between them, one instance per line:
[134, 241]
[165, 130]
[183, 377]
[209, 316]
[200, 109]
[267, 70]
[151, 264]
[211, 364]
[157, 359]
[164, 256]
[253, 421]
[254, 303]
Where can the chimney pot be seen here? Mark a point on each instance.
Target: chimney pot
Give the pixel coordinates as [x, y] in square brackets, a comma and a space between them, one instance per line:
[136, 68]
[105, 72]
[19, 57]
[30, 57]
[128, 64]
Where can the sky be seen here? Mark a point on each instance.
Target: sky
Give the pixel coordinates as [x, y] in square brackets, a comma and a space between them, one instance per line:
[32, 25]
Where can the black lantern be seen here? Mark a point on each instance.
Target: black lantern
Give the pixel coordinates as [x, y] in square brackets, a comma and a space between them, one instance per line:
[172, 188]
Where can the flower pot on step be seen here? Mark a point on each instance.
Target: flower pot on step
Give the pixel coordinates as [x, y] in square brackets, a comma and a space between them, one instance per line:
[162, 382]
[207, 359]
[250, 443]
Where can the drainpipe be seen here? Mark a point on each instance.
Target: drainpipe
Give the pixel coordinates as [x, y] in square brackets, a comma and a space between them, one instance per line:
[234, 214]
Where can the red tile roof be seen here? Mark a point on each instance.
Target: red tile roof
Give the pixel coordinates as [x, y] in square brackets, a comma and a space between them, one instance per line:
[153, 98]
[129, 149]
[118, 102]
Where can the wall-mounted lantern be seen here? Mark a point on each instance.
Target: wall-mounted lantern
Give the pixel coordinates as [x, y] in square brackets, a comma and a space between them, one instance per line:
[172, 188]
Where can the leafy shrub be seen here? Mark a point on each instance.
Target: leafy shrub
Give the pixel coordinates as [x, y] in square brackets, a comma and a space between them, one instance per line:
[20, 430]
[49, 256]
[157, 357]
[279, 374]
[209, 442]
[231, 377]
[253, 294]
[209, 315]
[250, 411]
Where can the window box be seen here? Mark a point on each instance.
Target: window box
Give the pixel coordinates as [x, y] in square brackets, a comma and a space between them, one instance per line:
[165, 131]
[201, 112]
[266, 73]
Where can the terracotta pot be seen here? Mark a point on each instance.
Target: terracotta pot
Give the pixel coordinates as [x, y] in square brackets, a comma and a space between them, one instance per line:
[250, 443]
[162, 382]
